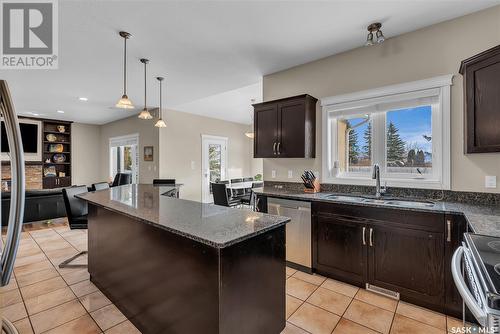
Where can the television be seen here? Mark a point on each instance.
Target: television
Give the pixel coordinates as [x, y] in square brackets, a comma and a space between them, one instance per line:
[31, 135]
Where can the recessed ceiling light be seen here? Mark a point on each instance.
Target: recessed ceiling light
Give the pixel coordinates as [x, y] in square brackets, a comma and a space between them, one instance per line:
[61, 111]
[83, 99]
[35, 114]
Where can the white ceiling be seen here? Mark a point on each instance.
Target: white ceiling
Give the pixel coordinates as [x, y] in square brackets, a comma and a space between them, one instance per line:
[203, 48]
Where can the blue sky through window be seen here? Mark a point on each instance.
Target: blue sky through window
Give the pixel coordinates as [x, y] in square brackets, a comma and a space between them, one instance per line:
[413, 124]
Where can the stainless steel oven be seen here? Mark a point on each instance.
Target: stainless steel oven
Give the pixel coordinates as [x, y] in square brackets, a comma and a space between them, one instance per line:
[476, 272]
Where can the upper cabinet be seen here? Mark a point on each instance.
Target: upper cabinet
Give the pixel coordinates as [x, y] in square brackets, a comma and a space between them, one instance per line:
[482, 101]
[285, 128]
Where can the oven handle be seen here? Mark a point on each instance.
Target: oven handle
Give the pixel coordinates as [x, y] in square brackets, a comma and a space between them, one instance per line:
[462, 288]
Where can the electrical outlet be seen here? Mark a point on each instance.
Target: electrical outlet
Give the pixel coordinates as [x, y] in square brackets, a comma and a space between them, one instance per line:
[490, 181]
[290, 174]
[316, 173]
[273, 174]
[193, 165]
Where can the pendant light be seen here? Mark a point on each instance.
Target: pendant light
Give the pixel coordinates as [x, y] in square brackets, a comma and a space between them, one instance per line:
[160, 123]
[145, 114]
[124, 102]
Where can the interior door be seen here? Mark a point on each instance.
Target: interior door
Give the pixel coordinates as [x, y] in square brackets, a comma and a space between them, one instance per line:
[408, 261]
[340, 248]
[214, 162]
[266, 131]
[291, 129]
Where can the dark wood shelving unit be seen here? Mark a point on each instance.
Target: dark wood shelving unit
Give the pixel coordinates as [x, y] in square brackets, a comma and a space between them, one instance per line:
[63, 138]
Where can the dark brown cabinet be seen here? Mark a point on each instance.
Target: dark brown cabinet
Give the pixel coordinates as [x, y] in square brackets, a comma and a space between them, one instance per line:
[408, 252]
[482, 101]
[285, 128]
[408, 261]
[455, 226]
[56, 154]
[51, 182]
[340, 249]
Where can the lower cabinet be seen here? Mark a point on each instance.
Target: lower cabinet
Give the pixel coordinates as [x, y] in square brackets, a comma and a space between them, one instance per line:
[56, 182]
[399, 250]
[339, 248]
[408, 261]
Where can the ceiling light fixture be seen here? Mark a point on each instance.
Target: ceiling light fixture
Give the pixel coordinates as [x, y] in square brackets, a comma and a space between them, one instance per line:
[374, 28]
[124, 102]
[145, 114]
[83, 99]
[61, 111]
[160, 123]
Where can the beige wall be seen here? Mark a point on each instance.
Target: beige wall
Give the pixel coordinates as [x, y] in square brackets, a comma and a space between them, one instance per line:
[180, 149]
[148, 136]
[433, 51]
[85, 154]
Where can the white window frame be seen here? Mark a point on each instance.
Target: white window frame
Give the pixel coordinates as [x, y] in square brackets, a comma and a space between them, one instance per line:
[441, 176]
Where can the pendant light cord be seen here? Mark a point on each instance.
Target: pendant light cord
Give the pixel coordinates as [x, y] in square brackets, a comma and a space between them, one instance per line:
[125, 68]
[145, 96]
[161, 112]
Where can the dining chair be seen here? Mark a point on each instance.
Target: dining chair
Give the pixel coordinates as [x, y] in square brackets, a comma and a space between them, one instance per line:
[158, 182]
[219, 191]
[77, 211]
[121, 179]
[99, 186]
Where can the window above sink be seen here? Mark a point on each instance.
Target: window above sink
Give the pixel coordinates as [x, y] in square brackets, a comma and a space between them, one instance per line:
[404, 128]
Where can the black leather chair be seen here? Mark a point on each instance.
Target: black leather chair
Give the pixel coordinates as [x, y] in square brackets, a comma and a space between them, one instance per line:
[121, 179]
[99, 186]
[219, 192]
[77, 211]
[170, 182]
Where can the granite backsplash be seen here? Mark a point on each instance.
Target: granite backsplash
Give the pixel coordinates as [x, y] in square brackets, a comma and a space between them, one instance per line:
[428, 194]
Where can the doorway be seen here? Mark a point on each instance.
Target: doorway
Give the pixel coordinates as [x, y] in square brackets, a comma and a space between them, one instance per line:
[124, 156]
[214, 163]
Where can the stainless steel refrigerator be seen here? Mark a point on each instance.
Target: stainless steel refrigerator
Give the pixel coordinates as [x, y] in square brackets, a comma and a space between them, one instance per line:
[8, 249]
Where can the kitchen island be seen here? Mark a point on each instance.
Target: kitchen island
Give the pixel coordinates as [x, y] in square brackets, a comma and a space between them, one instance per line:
[178, 266]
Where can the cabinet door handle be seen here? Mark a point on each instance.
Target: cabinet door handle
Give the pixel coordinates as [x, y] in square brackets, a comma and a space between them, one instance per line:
[448, 228]
[371, 237]
[364, 238]
[274, 148]
[279, 144]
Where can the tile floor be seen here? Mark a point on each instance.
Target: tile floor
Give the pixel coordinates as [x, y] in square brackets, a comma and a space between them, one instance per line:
[42, 298]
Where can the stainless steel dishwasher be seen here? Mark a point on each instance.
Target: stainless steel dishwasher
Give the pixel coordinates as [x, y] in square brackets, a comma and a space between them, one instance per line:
[298, 230]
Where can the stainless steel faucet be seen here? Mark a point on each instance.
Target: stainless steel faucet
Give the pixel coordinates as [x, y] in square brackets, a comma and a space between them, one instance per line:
[379, 191]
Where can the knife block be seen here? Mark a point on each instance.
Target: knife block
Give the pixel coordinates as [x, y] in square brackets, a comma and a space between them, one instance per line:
[316, 189]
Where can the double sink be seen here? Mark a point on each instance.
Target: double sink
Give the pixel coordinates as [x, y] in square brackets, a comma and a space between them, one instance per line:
[386, 201]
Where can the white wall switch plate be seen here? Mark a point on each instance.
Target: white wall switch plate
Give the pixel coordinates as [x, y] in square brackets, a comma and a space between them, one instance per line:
[490, 181]
[273, 174]
[193, 165]
[290, 174]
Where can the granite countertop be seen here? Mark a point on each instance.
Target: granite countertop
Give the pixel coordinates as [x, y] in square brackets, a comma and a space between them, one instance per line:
[483, 219]
[213, 225]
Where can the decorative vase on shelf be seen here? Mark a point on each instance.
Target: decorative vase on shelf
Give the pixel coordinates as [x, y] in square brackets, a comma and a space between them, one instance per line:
[61, 128]
[58, 158]
[56, 148]
[51, 137]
